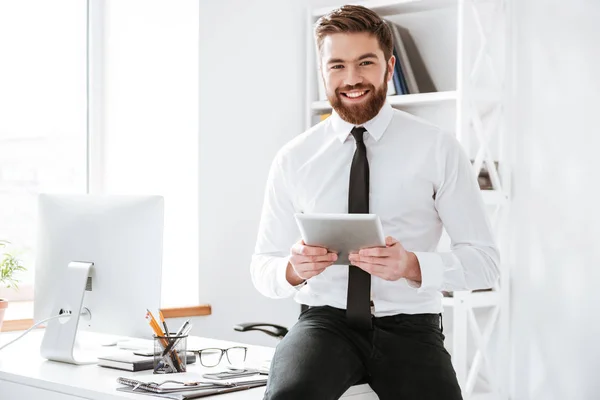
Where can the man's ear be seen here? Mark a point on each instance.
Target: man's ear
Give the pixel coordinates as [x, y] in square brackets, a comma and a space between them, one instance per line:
[390, 68]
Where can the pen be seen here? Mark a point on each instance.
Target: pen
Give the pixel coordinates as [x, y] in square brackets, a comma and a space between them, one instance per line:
[184, 330]
[186, 323]
[162, 318]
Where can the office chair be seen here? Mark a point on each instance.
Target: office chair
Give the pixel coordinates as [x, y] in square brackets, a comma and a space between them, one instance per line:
[277, 331]
[274, 330]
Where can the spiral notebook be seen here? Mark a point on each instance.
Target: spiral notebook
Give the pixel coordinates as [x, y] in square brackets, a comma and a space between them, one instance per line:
[189, 390]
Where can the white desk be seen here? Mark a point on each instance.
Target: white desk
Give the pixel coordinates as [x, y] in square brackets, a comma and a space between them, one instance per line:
[24, 374]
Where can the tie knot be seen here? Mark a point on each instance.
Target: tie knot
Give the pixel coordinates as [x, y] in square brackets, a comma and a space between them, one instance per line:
[357, 132]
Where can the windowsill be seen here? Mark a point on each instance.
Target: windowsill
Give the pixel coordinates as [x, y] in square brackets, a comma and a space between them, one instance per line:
[19, 314]
[18, 310]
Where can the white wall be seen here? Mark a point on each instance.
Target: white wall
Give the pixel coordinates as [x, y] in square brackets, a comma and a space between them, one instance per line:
[556, 222]
[149, 100]
[252, 73]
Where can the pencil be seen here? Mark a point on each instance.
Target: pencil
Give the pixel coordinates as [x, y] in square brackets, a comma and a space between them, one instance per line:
[162, 318]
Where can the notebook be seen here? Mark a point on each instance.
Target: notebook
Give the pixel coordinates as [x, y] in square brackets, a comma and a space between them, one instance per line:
[128, 361]
[178, 390]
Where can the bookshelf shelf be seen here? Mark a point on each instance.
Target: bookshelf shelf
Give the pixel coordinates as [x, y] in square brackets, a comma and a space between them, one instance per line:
[494, 197]
[403, 100]
[474, 299]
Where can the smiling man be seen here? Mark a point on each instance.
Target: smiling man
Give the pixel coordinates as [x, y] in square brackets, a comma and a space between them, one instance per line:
[379, 319]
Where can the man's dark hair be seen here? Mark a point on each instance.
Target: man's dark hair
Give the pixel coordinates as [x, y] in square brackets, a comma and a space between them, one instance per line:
[355, 19]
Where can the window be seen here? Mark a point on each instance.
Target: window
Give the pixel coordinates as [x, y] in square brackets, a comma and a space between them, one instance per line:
[43, 104]
[151, 124]
[143, 114]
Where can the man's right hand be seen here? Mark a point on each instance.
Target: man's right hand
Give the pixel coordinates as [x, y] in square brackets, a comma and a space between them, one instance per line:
[307, 261]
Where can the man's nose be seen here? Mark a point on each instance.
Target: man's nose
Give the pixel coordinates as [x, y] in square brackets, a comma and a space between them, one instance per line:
[353, 76]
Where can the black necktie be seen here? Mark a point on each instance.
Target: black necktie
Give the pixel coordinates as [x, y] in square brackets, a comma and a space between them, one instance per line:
[358, 309]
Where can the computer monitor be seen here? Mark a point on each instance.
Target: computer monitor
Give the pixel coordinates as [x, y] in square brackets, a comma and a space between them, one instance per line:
[101, 255]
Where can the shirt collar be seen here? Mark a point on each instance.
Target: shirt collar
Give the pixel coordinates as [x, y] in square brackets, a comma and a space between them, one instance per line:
[375, 126]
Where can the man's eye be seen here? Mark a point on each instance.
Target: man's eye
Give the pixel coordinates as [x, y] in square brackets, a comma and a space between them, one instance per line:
[338, 66]
[366, 63]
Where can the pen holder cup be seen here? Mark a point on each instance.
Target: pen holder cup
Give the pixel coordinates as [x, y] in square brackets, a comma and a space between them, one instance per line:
[170, 354]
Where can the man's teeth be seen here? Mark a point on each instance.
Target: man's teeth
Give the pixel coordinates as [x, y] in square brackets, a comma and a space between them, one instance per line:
[355, 94]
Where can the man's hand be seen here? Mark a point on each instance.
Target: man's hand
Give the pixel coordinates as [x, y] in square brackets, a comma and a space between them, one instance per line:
[391, 263]
[307, 261]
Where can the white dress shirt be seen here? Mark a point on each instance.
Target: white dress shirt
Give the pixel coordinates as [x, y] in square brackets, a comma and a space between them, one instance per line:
[420, 182]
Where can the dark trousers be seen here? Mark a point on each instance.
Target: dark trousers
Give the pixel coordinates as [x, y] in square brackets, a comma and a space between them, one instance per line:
[401, 358]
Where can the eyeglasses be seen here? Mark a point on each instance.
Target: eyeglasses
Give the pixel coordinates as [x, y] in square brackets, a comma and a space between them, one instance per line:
[212, 357]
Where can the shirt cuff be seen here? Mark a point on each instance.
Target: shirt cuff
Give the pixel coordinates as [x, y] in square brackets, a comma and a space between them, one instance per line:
[432, 272]
[285, 288]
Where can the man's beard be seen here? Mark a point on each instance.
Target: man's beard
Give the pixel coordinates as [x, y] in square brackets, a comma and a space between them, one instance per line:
[358, 114]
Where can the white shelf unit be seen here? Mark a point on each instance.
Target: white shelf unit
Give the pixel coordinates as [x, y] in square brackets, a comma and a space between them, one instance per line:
[461, 43]
[406, 100]
[393, 7]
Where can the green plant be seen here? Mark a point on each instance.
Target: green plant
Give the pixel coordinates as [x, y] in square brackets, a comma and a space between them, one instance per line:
[8, 266]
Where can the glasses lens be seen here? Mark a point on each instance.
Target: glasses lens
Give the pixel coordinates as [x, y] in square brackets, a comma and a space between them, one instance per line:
[236, 355]
[210, 357]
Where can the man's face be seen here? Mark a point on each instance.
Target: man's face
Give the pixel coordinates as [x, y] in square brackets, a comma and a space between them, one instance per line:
[355, 74]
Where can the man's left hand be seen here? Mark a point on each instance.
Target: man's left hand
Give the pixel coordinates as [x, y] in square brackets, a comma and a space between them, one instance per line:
[391, 262]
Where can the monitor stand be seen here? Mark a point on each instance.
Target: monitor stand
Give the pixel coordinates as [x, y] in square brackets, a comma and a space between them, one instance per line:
[59, 343]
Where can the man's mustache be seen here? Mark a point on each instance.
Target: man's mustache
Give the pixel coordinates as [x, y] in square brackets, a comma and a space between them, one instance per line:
[355, 87]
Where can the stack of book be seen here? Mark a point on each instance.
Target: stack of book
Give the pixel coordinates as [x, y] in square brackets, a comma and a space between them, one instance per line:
[128, 361]
[404, 77]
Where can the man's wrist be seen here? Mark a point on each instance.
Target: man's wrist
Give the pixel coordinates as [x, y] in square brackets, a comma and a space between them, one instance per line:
[413, 271]
[292, 277]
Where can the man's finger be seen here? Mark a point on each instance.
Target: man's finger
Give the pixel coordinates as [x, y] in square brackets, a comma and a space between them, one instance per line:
[374, 252]
[374, 269]
[308, 250]
[318, 268]
[365, 267]
[368, 260]
[309, 270]
[390, 241]
[314, 266]
[316, 259]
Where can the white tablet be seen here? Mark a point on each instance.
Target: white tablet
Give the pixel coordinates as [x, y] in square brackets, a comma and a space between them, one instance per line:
[341, 233]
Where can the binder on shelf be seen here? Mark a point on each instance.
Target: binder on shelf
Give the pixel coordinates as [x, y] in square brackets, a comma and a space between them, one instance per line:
[400, 82]
[402, 60]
